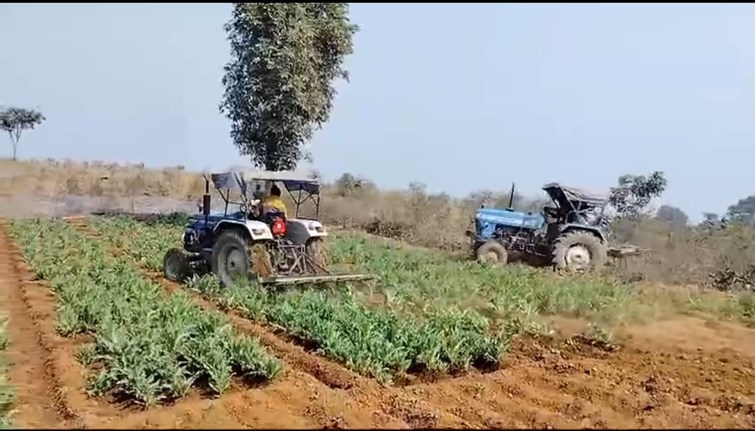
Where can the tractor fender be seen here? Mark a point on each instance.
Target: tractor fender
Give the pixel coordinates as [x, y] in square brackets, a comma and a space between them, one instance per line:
[594, 230]
[257, 230]
[299, 231]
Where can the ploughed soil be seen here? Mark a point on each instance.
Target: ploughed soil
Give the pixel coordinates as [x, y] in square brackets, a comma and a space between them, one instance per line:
[685, 372]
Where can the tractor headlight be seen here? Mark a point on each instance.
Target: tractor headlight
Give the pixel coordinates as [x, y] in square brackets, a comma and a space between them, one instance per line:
[317, 227]
[189, 236]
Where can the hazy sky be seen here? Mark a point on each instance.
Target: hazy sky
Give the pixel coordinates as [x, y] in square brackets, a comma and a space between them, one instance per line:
[459, 97]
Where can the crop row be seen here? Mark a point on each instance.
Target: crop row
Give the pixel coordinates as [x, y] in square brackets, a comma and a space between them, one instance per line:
[425, 279]
[147, 346]
[7, 396]
[373, 341]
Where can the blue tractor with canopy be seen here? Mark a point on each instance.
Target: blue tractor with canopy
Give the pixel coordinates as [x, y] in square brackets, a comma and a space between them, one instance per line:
[267, 247]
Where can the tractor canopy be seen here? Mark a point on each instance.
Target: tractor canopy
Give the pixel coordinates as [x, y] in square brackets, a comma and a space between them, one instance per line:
[574, 198]
[239, 181]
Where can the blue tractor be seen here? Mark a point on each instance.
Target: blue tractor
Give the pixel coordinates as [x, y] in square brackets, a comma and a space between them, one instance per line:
[569, 235]
[269, 248]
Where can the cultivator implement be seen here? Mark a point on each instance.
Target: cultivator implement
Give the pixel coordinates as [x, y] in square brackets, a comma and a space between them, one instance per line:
[623, 251]
[295, 267]
[313, 279]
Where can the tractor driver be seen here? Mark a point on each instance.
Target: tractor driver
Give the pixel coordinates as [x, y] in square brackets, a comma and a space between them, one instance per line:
[274, 203]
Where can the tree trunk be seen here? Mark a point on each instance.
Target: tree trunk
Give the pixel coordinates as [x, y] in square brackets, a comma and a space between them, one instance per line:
[13, 143]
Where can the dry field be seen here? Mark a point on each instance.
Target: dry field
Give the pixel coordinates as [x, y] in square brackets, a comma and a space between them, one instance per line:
[96, 338]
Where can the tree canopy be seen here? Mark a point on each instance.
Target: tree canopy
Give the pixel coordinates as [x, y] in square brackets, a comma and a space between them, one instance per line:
[15, 120]
[279, 83]
[634, 193]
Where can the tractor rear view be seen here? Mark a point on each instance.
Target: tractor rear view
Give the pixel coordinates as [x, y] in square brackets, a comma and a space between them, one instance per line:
[267, 247]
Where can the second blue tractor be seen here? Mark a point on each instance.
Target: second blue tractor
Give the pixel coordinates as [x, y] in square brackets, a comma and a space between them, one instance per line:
[569, 235]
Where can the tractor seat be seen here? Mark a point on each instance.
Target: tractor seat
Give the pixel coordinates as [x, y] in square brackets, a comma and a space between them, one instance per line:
[270, 216]
[276, 221]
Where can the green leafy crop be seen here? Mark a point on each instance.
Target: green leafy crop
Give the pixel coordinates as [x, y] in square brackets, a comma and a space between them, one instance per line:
[149, 346]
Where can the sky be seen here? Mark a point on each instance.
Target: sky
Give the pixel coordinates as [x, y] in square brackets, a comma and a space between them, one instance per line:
[460, 97]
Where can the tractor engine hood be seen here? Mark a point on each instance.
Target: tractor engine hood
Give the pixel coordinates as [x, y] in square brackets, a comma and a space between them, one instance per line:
[511, 218]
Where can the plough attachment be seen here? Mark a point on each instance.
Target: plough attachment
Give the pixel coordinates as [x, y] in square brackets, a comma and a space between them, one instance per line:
[300, 269]
[313, 279]
[623, 251]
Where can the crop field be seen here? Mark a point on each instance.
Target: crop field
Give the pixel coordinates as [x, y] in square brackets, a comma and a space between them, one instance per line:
[102, 340]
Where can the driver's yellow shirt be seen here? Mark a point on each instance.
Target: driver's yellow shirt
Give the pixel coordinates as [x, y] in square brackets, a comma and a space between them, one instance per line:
[274, 203]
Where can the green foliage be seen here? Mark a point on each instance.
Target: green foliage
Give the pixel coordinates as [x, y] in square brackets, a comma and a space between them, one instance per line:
[377, 342]
[148, 346]
[634, 193]
[16, 120]
[428, 311]
[279, 82]
[421, 280]
[7, 395]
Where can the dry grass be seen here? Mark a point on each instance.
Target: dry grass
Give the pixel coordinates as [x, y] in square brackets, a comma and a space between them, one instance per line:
[680, 256]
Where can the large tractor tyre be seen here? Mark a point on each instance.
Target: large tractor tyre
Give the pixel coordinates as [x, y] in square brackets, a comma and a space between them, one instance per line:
[233, 257]
[176, 265]
[579, 251]
[317, 252]
[492, 253]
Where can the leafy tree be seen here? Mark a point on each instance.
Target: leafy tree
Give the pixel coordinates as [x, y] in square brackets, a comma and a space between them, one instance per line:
[348, 185]
[634, 193]
[285, 58]
[16, 120]
[672, 215]
[743, 211]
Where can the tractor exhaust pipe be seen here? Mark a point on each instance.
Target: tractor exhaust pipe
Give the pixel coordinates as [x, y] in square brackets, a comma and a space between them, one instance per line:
[206, 200]
[511, 197]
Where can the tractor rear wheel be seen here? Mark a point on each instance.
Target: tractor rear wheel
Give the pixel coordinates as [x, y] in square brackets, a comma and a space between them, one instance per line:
[176, 266]
[318, 253]
[492, 253]
[579, 251]
[234, 257]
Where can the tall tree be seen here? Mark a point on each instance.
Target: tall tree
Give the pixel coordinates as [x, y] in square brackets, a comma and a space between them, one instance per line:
[279, 82]
[634, 193]
[15, 120]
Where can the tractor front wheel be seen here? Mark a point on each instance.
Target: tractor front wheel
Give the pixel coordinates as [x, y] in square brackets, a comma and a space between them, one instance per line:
[317, 252]
[579, 251]
[176, 266]
[492, 253]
